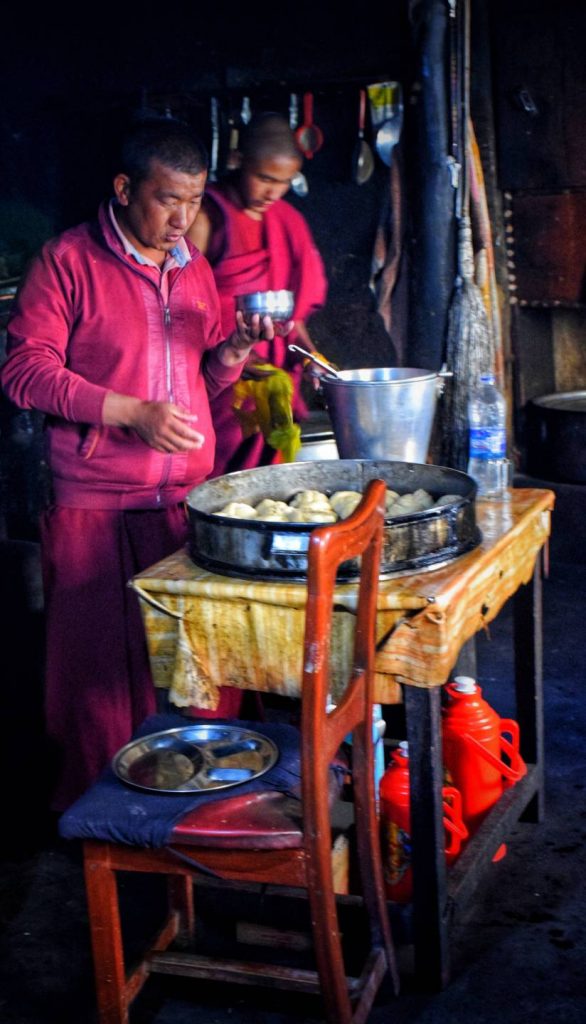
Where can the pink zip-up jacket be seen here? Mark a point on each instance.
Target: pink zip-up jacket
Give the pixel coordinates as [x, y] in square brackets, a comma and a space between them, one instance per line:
[89, 319]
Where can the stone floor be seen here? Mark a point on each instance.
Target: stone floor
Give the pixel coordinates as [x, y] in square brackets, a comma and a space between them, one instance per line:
[518, 957]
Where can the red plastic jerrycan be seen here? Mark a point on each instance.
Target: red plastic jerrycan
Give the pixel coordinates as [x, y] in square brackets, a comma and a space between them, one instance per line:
[395, 824]
[474, 742]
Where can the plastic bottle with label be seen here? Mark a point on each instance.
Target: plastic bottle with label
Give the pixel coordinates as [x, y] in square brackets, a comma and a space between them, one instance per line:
[395, 825]
[487, 418]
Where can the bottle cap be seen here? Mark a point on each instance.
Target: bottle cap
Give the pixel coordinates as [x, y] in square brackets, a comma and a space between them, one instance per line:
[404, 748]
[487, 378]
[465, 684]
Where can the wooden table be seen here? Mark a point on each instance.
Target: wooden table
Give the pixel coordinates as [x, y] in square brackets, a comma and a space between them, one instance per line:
[205, 630]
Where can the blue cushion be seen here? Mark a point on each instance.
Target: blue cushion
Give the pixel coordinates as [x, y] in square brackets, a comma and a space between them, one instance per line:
[113, 811]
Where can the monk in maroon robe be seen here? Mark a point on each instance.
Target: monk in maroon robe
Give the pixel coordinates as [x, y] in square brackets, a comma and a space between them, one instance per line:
[256, 241]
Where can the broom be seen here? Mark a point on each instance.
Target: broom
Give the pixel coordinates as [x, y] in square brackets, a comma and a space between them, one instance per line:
[469, 346]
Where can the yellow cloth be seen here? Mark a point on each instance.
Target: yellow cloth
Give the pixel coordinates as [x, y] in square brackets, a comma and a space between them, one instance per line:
[271, 412]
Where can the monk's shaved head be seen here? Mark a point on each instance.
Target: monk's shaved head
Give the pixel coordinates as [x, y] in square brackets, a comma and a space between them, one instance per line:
[267, 136]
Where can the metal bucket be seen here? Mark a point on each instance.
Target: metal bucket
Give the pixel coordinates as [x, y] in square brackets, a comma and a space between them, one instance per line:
[383, 413]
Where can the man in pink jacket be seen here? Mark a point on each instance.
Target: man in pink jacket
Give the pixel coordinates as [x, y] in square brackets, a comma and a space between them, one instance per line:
[116, 337]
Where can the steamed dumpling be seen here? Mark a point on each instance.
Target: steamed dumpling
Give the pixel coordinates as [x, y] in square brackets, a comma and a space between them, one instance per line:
[390, 497]
[403, 506]
[423, 499]
[344, 502]
[311, 499]
[295, 515]
[317, 516]
[407, 504]
[447, 499]
[237, 510]
[272, 510]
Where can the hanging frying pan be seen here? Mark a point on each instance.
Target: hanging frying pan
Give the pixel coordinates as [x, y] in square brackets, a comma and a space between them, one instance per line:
[363, 159]
[309, 136]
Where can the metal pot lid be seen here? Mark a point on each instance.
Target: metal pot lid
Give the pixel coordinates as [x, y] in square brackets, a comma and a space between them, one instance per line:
[195, 758]
[564, 401]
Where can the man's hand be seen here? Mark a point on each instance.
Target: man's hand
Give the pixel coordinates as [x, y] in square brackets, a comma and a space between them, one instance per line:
[162, 425]
[236, 348]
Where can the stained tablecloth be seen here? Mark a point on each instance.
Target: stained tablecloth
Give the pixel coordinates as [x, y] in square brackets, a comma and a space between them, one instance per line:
[205, 630]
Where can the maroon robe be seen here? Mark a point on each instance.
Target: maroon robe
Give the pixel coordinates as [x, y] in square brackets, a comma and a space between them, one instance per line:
[287, 259]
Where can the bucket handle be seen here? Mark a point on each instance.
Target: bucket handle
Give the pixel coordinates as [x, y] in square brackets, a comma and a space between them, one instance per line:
[442, 376]
[517, 768]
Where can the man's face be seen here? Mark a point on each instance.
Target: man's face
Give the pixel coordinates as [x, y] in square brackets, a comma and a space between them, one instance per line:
[160, 209]
[262, 182]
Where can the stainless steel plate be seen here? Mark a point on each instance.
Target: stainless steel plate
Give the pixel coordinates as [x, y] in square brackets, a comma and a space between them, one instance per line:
[195, 758]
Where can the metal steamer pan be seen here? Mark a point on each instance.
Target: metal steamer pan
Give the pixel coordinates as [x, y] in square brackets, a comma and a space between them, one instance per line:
[278, 551]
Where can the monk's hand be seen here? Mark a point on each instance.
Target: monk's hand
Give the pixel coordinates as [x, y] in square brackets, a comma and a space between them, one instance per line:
[164, 426]
[236, 348]
[167, 427]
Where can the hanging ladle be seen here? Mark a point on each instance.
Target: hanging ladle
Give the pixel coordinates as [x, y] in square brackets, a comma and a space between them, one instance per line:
[316, 359]
[389, 133]
[309, 136]
[363, 159]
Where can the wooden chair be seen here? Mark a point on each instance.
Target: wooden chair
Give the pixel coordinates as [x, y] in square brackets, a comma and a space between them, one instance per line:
[259, 840]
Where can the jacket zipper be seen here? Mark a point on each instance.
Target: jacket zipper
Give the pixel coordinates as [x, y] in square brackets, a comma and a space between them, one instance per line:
[168, 368]
[169, 386]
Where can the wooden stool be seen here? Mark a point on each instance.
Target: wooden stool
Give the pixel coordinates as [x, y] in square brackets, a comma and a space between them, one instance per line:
[268, 837]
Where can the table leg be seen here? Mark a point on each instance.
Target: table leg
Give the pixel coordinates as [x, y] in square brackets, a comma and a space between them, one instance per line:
[528, 641]
[422, 712]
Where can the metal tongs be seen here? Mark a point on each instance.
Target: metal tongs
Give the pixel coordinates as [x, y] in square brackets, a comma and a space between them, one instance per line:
[317, 360]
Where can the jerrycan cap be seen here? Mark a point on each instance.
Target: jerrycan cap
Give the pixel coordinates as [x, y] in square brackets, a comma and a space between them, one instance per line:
[465, 684]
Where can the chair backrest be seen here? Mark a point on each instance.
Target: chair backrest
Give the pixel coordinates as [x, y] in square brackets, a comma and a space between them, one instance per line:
[360, 535]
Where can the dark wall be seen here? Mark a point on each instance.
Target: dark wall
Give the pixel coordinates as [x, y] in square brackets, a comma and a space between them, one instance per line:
[68, 86]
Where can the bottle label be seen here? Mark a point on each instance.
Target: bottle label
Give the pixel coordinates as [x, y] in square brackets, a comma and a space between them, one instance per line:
[396, 852]
[487, 443]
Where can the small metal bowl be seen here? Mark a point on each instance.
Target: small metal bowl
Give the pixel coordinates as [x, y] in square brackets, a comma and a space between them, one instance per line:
[278, 305]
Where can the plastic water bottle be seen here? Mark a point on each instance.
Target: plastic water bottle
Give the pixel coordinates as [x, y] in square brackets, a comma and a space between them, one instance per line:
[487, 461]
